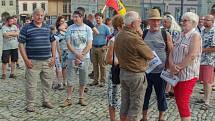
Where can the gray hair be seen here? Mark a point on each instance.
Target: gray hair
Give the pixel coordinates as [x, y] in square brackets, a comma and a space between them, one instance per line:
[193, 17]
[38, 10]
[174, 25]
[130, 17]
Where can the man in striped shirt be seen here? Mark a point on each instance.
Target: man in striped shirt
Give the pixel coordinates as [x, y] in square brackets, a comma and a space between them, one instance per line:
[38, 52]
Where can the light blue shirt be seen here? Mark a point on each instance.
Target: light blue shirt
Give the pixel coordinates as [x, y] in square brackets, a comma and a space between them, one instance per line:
[100, 39]
[79, 36]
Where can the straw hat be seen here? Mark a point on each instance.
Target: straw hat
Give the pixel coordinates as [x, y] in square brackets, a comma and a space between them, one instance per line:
[154, 14]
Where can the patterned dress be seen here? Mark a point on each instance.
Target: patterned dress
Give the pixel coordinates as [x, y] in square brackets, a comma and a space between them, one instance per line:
[113, 89]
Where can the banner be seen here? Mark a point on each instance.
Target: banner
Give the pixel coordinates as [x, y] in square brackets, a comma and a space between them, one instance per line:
[117, 5]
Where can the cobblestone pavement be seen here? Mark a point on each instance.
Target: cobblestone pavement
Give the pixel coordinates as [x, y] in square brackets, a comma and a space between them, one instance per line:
[12, 105]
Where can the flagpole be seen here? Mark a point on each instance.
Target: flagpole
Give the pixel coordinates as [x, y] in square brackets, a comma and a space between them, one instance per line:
[104, 8]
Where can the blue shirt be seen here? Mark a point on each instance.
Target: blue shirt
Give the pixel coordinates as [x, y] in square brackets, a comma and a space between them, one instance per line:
[79, 36]
[37, 40]
[100, 39]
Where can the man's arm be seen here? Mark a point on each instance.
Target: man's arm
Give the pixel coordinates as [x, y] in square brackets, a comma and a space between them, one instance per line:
[95, 31]
[87, 48]
[11, 34]
[144, 50]
[24, 56]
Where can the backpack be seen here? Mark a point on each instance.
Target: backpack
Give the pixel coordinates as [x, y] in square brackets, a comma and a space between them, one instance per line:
[164, 35]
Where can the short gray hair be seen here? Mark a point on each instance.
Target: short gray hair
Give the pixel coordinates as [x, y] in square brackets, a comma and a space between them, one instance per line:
[130, 17]
[193, 17]
[38, 10]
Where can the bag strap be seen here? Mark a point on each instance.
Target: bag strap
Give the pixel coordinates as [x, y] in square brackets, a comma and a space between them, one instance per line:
[164, 35]
[113, 59]
[144, 33]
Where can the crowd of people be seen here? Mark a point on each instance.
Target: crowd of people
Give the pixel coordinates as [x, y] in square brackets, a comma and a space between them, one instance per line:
[186, 50]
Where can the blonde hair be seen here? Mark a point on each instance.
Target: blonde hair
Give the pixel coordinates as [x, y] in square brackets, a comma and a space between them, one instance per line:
[174, 25]
[193, 17]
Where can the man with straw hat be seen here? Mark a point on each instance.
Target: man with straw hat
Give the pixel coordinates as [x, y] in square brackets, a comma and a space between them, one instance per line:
[161, 43]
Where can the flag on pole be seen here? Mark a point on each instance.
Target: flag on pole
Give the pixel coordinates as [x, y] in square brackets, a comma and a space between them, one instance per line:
[117, 5]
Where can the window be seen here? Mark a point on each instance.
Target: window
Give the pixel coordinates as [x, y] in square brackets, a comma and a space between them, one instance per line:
[191, 10]
[25, 7]
[64, 7]
[70, 8]
[34, 6]
[43, 6]
[177, 13]
[11, 3]
[3, 2]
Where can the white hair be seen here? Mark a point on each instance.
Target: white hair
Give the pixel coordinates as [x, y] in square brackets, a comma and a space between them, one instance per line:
[38, 10]
[193, 17]
[174, 25]
[130, 17]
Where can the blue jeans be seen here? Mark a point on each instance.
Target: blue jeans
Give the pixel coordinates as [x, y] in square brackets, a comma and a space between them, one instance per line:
[154, 80]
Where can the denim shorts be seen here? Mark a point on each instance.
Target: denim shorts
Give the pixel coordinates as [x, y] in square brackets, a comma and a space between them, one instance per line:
[71, 72]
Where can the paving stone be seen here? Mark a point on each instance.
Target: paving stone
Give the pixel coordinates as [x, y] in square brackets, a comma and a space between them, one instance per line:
[12, 104]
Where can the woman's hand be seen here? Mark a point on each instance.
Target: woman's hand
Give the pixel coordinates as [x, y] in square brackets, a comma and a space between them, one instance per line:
[174, 69]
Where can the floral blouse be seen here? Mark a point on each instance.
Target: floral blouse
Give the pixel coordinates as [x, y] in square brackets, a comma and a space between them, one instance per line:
[208, 41]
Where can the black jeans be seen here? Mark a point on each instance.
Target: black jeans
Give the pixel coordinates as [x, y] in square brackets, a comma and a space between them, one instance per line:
[154, 80]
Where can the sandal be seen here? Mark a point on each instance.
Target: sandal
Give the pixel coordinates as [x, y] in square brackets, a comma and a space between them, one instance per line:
[213, 88]
[204, 107]
[201, 92]
[200, 101]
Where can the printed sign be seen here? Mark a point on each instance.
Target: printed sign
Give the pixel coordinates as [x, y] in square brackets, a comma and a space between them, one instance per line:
[153, 63]
[169, 78]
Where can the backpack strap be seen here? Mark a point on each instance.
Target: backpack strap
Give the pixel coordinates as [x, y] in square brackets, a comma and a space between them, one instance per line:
[164, 35]
[144, 33]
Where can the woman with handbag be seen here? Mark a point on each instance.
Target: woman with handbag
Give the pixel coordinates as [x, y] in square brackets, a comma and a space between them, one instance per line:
[113, 81]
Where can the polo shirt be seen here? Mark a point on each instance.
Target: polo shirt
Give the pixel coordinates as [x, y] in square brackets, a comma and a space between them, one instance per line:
[37, 41]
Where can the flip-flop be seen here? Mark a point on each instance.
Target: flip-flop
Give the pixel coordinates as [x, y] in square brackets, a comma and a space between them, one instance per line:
[201, 92]
[200, 101]
[204, 107]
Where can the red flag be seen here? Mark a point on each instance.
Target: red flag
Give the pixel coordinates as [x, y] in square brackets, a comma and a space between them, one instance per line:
[113, 4]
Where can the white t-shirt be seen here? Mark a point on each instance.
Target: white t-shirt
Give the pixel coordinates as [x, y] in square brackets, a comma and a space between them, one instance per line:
[9, 42]
[79, 36]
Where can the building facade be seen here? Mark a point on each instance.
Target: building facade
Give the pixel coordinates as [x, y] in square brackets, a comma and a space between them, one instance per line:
[7, 8]
[57, 8]
[26, 7]
[93, 6]
[177, 7]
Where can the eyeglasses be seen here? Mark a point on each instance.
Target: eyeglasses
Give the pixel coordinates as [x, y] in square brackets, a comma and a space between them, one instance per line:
[208, 19]
[184, 20]
[75, 16]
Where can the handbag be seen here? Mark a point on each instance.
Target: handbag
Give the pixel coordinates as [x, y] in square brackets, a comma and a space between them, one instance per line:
[115, 71]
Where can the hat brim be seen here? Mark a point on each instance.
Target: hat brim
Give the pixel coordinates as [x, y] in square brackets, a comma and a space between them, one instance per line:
[159, 18]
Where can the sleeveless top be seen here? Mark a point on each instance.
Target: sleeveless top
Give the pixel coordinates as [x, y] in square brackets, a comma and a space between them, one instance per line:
[155, 41]
[181, 50]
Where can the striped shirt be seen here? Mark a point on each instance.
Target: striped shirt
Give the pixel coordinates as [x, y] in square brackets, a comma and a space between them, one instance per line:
[181, 50]
[38, 41]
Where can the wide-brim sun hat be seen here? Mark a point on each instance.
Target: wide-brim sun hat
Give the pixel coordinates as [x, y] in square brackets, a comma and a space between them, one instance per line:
[154, 14]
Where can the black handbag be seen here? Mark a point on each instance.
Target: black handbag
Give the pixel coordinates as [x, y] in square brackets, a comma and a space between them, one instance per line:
[115, 71]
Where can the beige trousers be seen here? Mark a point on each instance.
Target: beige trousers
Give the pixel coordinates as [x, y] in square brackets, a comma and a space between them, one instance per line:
[99, 65]
[40, 71]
